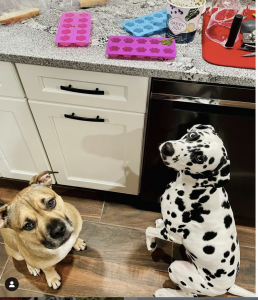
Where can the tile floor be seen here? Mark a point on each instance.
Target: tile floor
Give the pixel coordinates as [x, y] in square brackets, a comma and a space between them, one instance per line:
[116, 263]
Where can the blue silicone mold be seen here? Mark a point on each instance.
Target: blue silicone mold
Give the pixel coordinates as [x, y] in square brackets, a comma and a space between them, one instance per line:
[147, 25]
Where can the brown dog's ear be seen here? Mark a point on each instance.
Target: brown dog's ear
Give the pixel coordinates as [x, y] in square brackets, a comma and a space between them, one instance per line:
[43, 178]
[3, 214]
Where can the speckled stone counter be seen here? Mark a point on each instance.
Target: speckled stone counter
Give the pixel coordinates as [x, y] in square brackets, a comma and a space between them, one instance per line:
[32, 42]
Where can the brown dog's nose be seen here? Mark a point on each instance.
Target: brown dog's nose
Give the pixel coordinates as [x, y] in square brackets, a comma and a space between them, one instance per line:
[167, 149]
[57, 229]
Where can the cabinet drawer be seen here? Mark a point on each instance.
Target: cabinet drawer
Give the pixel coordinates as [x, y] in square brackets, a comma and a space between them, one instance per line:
[121, 92]
[98, 155]
[10, 85]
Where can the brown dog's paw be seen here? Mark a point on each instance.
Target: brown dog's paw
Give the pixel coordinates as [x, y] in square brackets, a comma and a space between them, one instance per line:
[33, 271]
[80, 245]
[54, 282]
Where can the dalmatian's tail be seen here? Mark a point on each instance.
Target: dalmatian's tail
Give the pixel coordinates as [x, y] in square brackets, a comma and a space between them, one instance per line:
[238, 291]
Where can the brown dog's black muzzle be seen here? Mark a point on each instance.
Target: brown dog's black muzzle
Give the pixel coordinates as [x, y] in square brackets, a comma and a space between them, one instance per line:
[56, 229]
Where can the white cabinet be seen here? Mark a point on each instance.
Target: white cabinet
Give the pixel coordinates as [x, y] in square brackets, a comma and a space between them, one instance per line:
[10, 85]
[21, 152]
[99, 155]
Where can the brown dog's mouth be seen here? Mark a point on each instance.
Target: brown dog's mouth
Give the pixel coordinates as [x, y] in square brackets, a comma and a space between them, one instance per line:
[56, 244]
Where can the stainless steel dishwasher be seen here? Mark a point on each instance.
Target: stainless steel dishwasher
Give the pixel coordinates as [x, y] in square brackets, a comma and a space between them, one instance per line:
[175, 107]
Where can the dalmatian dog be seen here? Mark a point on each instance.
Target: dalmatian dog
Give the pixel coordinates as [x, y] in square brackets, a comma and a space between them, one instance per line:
[196, 213]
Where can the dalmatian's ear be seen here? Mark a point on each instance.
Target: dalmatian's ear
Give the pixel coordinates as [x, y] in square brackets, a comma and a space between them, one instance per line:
[221, 175]
[202, 127]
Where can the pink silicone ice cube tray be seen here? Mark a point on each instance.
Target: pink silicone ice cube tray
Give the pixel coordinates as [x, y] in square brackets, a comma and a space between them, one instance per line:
[139, 47]
[74, 29]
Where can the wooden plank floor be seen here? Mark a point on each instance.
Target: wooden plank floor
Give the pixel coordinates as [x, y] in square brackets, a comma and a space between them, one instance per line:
[116, 263]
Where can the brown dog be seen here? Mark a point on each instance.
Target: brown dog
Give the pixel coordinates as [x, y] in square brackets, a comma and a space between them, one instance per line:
[40, 228]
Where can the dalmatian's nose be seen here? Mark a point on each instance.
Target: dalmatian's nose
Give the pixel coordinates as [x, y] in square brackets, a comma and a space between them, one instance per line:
[167, 149]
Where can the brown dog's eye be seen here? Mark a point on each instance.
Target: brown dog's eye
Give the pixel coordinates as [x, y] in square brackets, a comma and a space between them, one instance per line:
[51, 203]
[29, 226]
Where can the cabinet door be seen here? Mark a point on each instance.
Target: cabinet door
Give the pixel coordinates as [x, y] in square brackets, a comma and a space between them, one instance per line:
[98, 155]
[21, 152]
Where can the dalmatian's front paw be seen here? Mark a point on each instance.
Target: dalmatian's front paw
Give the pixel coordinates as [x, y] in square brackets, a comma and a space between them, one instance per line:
[170, 293]
[159, 223]
[150, 241]
[80, 245]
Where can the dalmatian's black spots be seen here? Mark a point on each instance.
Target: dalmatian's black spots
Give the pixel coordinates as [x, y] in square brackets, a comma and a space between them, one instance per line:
[196, 213]
[223, 260]
[225, 171]
[164, 233]
[186, 233]
[166, 163]
[198, 291]
[191, 279]
[204, 199]
[179, 230]
[169, 270]
[189, 164]
[180, 203]
[168, 196]
[231, 273]
[228, 221]
[173, 229]
[226, 254]
[160, 199]
[203, 126]
[205, 166]
[226, 205]
[233, 247]
[168, 212]
[202, 286]
[153, 245]
[196, 194]
[237, 269]
[206, 146]
[173, 215]
[206, 271]
[183, 283]
[221, 183]
[209, 235]
[237, 240]
[231, 237]
[181, 193]
[167, 223]
[210, 284]
[181, 226]
[228, 289]
[212, 276]
[208, 278]
[232, 260]
[208, 250]
[211, 160]
[213, 190]
[168, 186]
[220, 272]
[196, 185]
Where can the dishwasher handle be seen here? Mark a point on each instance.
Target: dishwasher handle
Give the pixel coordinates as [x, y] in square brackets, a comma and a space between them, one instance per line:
[69, 88]
[214, 109]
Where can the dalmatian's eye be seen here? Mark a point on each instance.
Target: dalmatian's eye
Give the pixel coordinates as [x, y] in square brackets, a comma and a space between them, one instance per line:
[200, 158]
[193, 136]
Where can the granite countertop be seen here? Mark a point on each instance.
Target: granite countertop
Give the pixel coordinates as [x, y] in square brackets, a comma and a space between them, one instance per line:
[33, 42]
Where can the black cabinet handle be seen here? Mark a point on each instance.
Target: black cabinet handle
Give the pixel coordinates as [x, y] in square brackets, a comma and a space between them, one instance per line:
[72, 116]
[71, 89]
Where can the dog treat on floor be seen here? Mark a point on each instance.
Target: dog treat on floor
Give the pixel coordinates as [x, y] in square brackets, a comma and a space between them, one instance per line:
[89, 3]
[20, 15]
[197, 214]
